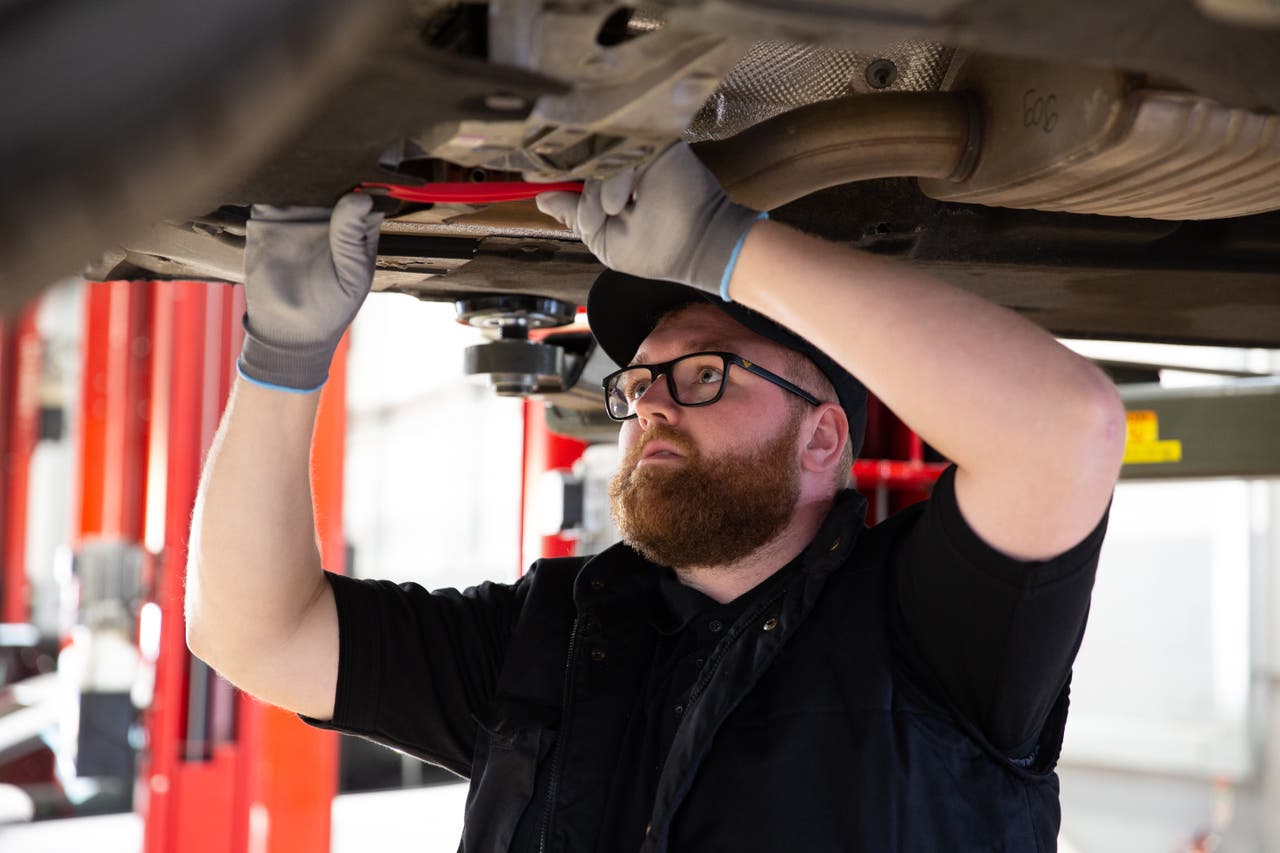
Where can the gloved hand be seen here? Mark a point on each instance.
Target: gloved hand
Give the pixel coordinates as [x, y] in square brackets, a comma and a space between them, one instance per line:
[669, 220]
[307, 271]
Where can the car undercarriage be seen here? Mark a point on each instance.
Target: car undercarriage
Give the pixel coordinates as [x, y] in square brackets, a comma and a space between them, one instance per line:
[1111, 170]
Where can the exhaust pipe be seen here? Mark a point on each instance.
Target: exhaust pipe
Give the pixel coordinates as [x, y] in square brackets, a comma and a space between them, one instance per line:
[933, 135]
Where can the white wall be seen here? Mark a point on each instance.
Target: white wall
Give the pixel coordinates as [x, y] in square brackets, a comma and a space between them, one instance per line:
[433, 459]
[1175, 717]
[1169, 696]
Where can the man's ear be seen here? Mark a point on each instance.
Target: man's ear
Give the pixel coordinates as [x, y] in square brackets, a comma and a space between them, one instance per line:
[827, 432]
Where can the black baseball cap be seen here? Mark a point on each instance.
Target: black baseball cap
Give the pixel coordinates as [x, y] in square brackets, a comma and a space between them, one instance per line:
[622, 310]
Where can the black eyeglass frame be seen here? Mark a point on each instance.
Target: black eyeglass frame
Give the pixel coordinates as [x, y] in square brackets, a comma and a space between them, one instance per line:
[730, 359]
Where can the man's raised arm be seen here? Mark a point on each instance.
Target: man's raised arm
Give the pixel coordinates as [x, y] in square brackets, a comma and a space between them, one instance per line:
[257, 604]
[1037, 433]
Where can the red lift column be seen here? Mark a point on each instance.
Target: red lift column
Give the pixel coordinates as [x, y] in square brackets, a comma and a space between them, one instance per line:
[893, 474]
[106, 527]
[544, 451]
[225, 773]
[113, 430]
[188, 777]
[19, 431]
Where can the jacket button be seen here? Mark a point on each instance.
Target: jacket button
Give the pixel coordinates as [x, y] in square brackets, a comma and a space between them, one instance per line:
[715, 625]
[678, 710]
[770, 624]
[597, 655]
[597, 584]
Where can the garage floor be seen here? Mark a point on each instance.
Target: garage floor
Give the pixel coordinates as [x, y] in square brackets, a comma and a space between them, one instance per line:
[419, 819]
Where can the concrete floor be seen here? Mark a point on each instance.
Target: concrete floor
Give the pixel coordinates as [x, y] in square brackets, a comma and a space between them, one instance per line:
[419, 819]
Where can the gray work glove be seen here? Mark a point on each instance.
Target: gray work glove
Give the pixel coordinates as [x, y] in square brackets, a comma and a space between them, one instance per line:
[669, 220]
[307, 271]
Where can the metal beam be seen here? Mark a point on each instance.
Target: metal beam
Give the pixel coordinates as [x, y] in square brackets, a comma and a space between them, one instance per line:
[1230, 430]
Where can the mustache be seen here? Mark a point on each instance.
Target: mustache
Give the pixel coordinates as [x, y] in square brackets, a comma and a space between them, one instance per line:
[658, 432]
[672, 436]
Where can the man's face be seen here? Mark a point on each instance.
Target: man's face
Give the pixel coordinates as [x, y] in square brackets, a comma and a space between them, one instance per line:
[708, 485]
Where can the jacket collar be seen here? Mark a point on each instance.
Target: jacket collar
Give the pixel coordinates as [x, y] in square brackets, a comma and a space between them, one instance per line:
[838, 534]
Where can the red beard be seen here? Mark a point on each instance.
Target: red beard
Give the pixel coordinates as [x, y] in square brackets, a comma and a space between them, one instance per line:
[706, 511]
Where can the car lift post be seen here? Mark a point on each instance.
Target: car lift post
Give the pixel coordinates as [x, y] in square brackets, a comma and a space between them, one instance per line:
[222, 772]
[113, 429]
[544, 451]
[107, 511]
[20, 359]
[891, 471]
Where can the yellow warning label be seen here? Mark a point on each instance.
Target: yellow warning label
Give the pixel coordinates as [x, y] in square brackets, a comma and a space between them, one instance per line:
[1153, 452]
[1143, 426]
[1144, 446]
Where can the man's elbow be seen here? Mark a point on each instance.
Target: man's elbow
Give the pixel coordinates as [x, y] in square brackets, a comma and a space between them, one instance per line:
[201, 636]
[196, 646]
[197, 635]
[1113, 422]
[219, 651]
[1100, 428]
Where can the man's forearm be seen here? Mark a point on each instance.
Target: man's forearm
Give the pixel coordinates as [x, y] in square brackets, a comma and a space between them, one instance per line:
[990, 390]
[254, 565]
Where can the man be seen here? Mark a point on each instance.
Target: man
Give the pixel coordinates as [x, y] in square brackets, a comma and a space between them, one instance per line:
[753, 669]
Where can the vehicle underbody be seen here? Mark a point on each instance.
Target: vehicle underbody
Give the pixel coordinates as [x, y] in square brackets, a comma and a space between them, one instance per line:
[1109, 169]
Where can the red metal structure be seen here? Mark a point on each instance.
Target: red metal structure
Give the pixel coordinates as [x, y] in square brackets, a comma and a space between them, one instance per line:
[544, 451]
[892, 472]
[222, 772]
[189, 775]
[20, 360]
[113, 433]
[20, 369]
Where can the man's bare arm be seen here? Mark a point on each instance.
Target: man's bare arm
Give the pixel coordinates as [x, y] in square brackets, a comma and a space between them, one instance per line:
[259, 610]
[1037, 433]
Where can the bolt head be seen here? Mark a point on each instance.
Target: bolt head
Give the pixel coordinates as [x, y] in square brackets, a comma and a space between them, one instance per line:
[881, 73]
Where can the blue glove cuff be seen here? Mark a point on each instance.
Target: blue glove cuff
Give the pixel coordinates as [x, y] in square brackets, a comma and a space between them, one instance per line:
[270, 386]
[733, 258]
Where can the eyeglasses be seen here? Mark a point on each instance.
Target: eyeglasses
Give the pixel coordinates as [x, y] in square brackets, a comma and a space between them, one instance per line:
[696, 379]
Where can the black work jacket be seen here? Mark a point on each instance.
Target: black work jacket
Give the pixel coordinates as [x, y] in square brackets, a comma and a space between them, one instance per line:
[805, 730]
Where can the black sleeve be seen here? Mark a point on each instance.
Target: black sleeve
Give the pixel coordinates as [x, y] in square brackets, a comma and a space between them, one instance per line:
[995, 636]
[414, 667]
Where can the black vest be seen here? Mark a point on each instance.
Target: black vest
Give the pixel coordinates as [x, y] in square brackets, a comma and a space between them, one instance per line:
[805, 731]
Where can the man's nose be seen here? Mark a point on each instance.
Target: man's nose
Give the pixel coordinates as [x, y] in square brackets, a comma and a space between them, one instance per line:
[656, 404]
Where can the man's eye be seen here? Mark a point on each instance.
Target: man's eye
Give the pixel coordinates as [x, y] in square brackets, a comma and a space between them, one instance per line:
[636, 389]
[708, 375]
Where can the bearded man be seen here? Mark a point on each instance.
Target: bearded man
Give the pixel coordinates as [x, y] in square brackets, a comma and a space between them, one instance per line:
[752, 668]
